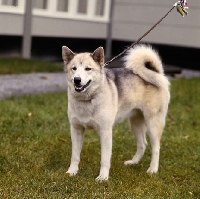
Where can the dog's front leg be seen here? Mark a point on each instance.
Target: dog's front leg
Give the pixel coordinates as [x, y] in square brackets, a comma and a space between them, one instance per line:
[106, 151]
[77, 135]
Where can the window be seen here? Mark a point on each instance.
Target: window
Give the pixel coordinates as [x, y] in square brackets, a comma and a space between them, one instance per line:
[63, 5]
[92, 10]
[10, 2]
[40, 4]
[82, 6]
[12, 6]
[100, 7]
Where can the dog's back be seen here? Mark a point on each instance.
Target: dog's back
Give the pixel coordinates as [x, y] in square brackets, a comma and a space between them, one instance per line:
[140, 80]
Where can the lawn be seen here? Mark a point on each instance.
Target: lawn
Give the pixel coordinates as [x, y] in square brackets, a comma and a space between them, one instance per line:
[15, 65]
[35, 150]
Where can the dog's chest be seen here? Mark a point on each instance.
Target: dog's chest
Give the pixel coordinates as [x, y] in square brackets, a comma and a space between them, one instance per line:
[87, 123]
[83, 114]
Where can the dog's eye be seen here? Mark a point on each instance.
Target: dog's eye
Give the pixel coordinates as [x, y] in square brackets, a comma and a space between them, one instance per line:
[88, 69]
[74, 68]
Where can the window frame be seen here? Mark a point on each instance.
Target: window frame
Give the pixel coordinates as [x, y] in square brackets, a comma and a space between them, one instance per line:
[13, 9]
[52, 11]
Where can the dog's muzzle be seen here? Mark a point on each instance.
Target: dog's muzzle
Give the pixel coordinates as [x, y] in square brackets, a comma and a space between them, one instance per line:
[78, 86]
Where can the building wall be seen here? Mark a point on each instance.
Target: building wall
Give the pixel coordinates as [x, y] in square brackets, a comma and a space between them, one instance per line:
[132, 18]
[55, 27]
[11, 24]
[49, 21]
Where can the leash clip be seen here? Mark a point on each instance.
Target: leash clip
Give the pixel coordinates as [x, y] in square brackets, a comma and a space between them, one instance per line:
[182, 7]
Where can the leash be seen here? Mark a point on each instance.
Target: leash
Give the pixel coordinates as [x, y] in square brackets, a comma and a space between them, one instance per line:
[181, 7]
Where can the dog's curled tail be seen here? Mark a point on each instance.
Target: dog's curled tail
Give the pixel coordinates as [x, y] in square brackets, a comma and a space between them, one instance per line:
[146, 63]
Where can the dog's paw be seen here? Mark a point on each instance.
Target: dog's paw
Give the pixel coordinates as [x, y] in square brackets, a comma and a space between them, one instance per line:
[130, 162]
[102, 178]
[152, 170]
[104, 173]
[71, 172]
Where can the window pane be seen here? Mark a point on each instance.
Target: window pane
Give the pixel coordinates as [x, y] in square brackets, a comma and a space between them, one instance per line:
[10, 2]
[100, 7]
[62, 5]
[82, 6]
[40, 4]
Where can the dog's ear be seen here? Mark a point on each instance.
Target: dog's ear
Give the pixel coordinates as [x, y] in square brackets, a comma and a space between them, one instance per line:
[98, 56]
[67, 54]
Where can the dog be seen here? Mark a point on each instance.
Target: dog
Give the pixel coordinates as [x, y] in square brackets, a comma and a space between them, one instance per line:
[98, 97]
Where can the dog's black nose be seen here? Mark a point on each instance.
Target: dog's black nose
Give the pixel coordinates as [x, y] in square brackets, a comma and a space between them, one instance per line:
[77, 80]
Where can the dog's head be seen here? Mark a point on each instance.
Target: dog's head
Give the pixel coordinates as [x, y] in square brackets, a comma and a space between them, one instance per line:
[83, 70]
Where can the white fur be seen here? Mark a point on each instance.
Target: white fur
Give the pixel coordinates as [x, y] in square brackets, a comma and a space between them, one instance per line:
[135, 59]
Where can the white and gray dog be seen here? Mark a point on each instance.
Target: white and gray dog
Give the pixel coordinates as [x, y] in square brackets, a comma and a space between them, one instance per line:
[99, 97]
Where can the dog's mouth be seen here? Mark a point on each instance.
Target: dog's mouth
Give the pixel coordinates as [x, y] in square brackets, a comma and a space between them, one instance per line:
[79, 87]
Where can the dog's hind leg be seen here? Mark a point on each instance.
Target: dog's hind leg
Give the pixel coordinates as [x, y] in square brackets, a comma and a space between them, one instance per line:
[155, 125]
[138, 129]
[77, 135]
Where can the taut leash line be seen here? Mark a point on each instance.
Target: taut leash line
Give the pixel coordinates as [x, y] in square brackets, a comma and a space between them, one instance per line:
[181, 8]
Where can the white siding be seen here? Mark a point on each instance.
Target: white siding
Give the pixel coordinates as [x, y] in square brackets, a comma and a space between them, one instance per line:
[11, 24]
[67, 28]
[132, 18]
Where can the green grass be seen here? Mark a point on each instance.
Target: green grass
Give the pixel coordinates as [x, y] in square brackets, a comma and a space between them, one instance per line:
[35, 150]
[20, 66]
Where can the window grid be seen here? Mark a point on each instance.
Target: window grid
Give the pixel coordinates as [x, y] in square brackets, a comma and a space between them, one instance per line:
[63, 5]
[82, 6]
[92, 10]
[10, 2]
[100, 7]
[12, 6]
[40, 4]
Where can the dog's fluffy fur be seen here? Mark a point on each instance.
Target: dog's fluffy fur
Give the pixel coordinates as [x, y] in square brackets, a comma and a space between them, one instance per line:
[98, 97]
